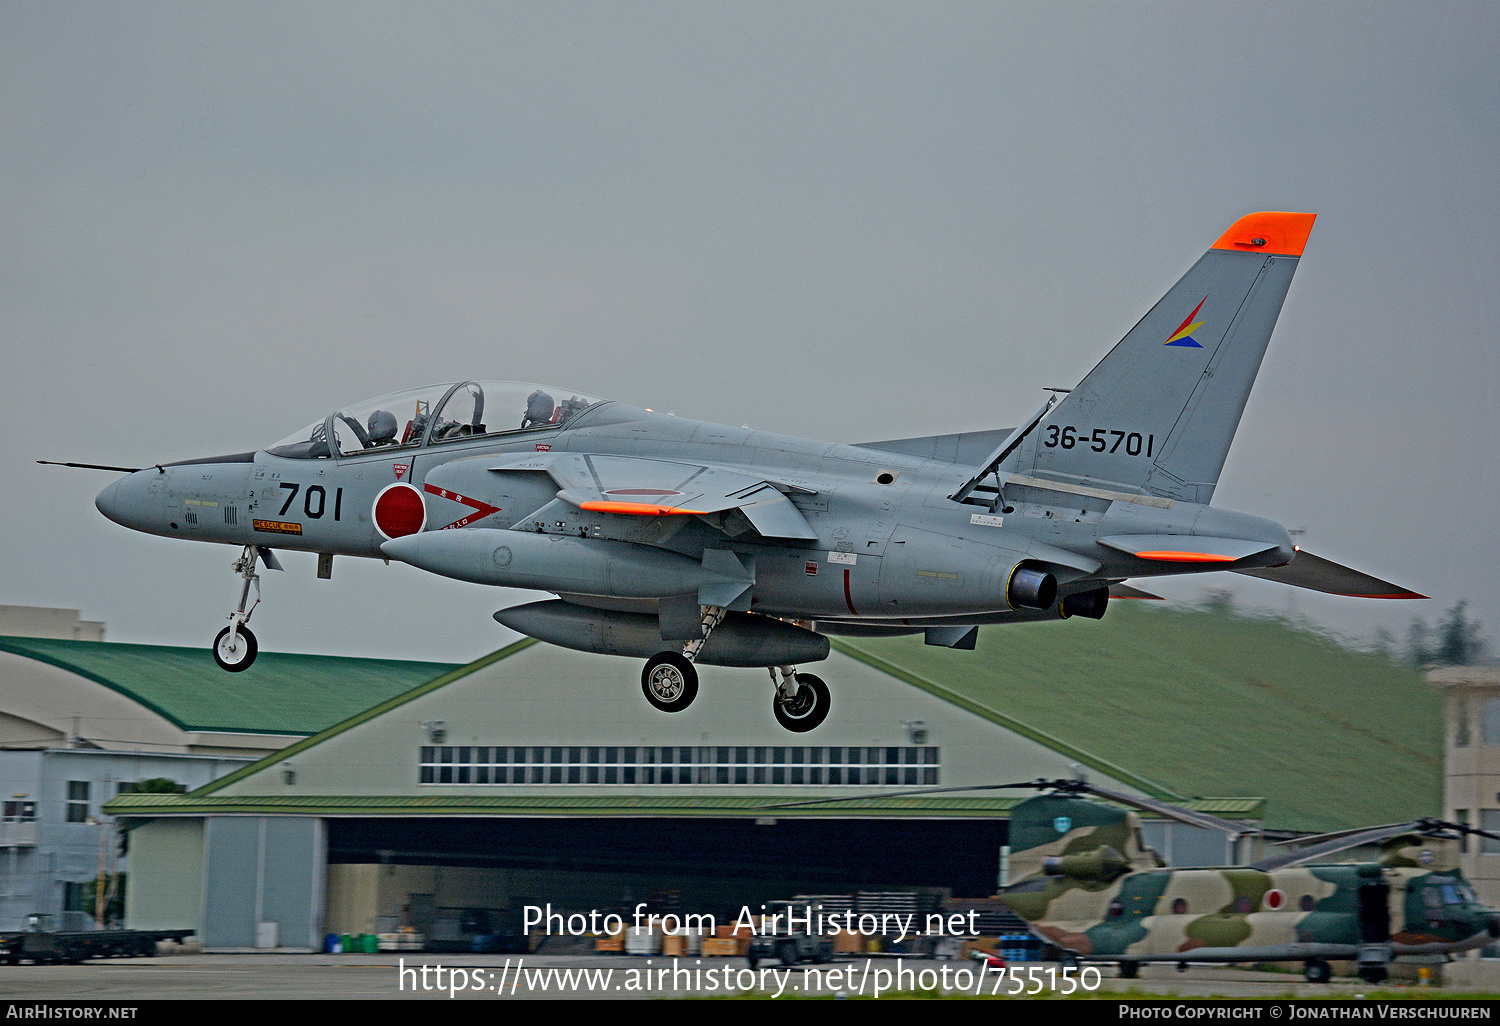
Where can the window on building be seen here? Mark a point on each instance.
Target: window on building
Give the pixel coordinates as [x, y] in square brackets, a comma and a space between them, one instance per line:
[1489, 819]
[20, 811]
[457, 764]
[1491, 724]
[1461, 737]
[78, 801]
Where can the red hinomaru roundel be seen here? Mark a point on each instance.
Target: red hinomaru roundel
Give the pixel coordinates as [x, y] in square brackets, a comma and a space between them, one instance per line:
[398, 511]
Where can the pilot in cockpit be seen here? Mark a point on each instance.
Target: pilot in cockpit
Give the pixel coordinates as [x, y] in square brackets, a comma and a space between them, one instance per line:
[539, 409]
[381, 428]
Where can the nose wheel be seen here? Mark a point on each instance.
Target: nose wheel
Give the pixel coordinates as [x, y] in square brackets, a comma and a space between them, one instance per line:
[235, 648]
[669, 681]
[802, 700]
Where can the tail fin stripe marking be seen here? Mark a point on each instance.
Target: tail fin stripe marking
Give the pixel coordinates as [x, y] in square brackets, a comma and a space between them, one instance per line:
[1183, 335]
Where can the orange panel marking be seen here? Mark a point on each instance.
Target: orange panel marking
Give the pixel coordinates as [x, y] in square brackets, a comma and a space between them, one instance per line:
[1186, 557]
[639, 509]
[1270, 231]
[1390, 595]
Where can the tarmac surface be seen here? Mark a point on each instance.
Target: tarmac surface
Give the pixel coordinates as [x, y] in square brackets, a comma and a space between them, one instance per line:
[516, 977]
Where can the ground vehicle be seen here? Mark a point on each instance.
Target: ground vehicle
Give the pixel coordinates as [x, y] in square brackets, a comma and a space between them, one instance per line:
[790, 942]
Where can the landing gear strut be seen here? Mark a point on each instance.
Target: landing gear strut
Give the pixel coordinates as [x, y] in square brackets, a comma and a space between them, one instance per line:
[235, 647]
[670, 680]
[802, 700]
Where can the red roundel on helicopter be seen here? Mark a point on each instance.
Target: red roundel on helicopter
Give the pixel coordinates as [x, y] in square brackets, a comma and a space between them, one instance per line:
[399, 511]
[1274, 899]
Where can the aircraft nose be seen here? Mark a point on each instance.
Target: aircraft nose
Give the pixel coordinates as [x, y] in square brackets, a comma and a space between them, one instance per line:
[125, 501]
[108, 501]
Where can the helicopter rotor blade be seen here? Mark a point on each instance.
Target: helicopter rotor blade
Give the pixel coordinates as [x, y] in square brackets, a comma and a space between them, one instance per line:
[1202, 820]
[1039, 784]
[1342, 840]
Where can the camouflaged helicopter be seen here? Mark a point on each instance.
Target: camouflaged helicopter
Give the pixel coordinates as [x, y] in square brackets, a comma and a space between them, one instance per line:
[1091, 888]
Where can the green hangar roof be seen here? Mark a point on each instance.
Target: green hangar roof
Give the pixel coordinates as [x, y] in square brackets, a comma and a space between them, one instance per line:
[1207, 704]
[280, 694]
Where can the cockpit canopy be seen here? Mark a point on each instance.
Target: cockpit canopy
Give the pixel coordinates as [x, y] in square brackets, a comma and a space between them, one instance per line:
[433, 415]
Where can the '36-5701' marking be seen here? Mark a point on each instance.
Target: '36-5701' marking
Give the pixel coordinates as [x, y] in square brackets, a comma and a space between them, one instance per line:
[1100, 440]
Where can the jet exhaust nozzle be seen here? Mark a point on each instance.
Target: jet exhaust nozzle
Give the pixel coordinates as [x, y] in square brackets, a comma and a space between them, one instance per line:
[1088, 603]
[1033, 589]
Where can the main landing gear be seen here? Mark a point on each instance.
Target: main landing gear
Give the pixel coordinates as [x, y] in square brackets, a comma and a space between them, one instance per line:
[670, 683]
[235, 647]
[802, 700]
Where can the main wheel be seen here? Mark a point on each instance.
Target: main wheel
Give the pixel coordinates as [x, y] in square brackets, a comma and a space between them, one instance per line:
[1130, 970]
[807, 708]
[669, 681]
[1373, 974]
[1317, 971]
[235, 651]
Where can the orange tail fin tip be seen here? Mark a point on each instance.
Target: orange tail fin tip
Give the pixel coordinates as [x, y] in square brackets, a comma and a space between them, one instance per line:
[1270, 231]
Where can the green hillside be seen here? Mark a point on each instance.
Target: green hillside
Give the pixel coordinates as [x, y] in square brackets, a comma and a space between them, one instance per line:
[1211, 704]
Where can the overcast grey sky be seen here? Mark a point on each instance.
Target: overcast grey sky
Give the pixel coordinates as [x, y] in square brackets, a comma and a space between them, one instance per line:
[845, 221]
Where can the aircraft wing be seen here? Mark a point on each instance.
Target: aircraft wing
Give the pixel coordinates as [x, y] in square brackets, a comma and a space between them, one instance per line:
[635, 486]
[1318, 574]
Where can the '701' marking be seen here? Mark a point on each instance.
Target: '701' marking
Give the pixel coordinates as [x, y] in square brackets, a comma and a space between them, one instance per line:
[1100, 440]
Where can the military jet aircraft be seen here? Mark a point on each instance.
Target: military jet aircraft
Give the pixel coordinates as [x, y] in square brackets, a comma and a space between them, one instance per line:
[1089, 887]
[683, 542]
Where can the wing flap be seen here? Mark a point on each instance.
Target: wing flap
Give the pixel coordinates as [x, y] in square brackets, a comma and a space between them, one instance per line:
[1318, 574]
[1185, 548]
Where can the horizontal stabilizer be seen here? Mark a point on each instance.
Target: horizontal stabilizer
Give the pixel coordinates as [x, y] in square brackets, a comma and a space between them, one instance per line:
[1318, 574]
[1186, 548]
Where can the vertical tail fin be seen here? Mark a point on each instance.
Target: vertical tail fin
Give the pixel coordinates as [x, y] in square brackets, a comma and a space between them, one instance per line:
[1160, 410]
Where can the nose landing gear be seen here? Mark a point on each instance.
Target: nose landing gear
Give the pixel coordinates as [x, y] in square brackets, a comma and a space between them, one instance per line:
[235, 647]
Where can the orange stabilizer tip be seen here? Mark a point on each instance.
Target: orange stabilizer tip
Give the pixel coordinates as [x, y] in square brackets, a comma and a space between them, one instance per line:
[1270, 231]
[1185, 557]
[639, 509]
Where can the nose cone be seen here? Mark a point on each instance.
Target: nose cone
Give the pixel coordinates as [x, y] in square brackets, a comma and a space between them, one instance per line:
[125, 501]
[108, 501]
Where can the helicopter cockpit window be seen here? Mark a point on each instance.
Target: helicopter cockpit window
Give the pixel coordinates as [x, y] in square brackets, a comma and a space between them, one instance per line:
[499, 407]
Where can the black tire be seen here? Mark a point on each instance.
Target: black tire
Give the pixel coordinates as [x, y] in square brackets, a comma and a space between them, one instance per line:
[1373, 974]
[242, 656]
[1317, 971]
[753, 960]
[786, 953]
[669, 682]
[1130, 970]
[808, 709]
